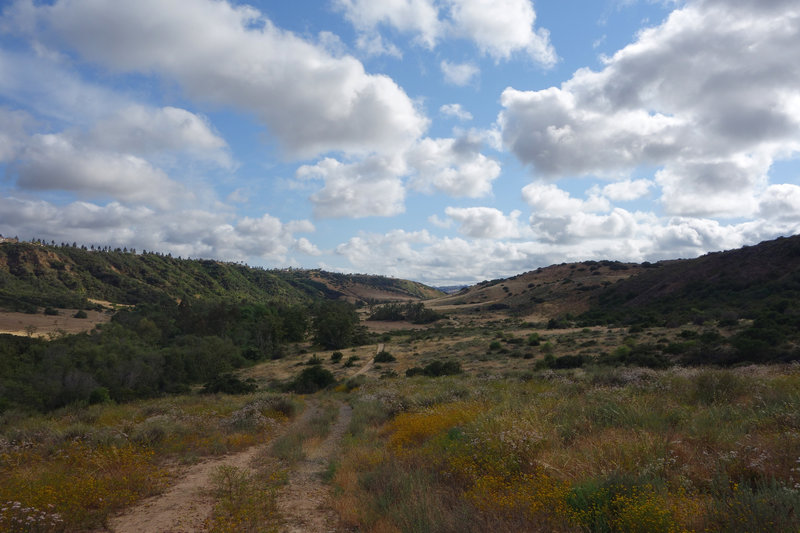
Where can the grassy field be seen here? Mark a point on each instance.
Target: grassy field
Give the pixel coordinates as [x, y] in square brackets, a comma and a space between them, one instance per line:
[600, 450]
[71, 469]
[506, 445]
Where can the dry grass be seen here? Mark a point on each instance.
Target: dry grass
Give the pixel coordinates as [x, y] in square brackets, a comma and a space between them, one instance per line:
[656, 451]
[84, 464]
[47, 326]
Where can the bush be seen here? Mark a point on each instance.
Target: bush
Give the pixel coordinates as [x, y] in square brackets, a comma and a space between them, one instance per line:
[384, 357]
[229, 384]
[314, 360]
[80, 314]
[312, 379]
[436, 369]
[50, 311]
[336, 357]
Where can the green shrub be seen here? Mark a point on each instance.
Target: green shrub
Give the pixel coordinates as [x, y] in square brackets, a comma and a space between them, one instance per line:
[436, 369]
[228, 384]
[384, 357]
[312, 379]
[336, 357]
[314, 360]
[80, 314]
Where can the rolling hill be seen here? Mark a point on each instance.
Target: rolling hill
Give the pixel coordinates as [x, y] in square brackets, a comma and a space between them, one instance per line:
[34, 275]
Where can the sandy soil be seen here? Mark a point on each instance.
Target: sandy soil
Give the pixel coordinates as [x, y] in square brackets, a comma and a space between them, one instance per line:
[41, 325]
[186, 506]
[304, 504]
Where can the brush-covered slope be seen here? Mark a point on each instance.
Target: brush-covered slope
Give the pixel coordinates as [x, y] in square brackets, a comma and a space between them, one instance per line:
[543, 293]
[741, 283]
[66, 276]
[734, 284]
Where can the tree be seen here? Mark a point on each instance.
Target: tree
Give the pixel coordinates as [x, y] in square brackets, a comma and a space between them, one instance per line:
[335, 324]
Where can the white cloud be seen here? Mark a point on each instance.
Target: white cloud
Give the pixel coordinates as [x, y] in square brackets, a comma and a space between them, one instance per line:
[195, 233]
[410, 16]
[439, 223]
[453, 166]
[305, 246]
[311, 101]
[459, 73]
[456, 111]
[373, 44]
[485, 222]
[781, 202]
[143, 130]
[119, 157]
[627, 191]
[497, 28]
[548, 199]
[366, 188]
[374, 186]
[710, 96]
[501, 28]
[55, 162]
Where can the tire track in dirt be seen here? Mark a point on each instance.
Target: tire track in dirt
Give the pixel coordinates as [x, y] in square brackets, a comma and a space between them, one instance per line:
[304, 503]
[187, 505]
[364, 369]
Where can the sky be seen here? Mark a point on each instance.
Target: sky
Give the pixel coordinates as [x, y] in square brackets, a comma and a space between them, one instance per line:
[444, 141]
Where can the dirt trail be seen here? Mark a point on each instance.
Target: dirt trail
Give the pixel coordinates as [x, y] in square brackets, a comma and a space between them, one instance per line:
[364, 369]
[304, 502]
[186, 506]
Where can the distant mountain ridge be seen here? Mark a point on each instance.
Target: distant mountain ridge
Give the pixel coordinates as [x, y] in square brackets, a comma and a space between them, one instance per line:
[67, 276]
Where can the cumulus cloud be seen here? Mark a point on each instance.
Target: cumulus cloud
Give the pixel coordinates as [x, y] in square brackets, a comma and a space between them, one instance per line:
[485, 222]
[780, 202]
[419, 17]
[710, 96]
[117, 157]
[627, 191]
[498, 29]
[195, 233]
[55, 162]
[311, 101]
[145, 130]
[459, 73]
[455, 111]
[548, 199]
[501, 28]
[453, 166]
[375, 186]
[371, 187]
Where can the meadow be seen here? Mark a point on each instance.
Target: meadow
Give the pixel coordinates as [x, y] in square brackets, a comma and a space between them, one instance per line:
[71, 469]
[598, 449]
[506, 443]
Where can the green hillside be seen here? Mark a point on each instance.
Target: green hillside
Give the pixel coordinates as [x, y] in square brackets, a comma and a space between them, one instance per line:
[66, 276]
